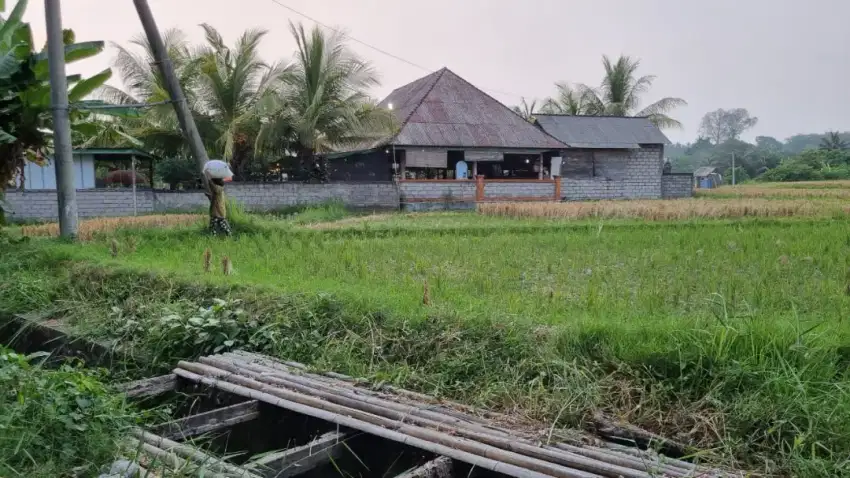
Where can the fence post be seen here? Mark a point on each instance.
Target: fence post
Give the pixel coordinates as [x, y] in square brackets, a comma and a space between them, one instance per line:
[479, 188]
[557, 188]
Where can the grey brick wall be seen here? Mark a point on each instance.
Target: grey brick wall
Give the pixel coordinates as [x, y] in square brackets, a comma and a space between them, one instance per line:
[42, 205]
[277, 195]
[634, 174]
[677, 186]
[173, 201]
[449, 191]
[530, 189]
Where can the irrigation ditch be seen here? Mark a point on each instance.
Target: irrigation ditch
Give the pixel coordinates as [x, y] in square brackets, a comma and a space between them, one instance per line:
[240, 414]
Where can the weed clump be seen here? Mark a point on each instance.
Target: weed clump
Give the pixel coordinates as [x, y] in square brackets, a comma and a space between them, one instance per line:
[57, 421]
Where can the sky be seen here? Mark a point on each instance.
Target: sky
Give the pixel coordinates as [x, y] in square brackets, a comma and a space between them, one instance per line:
[786, 61]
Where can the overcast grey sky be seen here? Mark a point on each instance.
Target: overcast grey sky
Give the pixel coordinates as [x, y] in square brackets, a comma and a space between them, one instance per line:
[787, 61]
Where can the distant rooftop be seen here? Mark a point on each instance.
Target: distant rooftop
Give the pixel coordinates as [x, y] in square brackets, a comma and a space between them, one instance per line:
[601, 132]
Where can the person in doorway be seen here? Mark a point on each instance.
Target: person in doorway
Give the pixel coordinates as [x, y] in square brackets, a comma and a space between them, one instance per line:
[218, 211]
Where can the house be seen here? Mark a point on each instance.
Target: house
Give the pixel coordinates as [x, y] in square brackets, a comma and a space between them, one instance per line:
[608, 157]
[449, 130]
[92, 168]
[444, 120]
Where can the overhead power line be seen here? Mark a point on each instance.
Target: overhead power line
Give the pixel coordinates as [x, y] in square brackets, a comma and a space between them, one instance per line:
[373, 47]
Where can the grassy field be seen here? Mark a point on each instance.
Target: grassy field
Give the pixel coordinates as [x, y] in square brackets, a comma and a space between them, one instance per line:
[723, 332]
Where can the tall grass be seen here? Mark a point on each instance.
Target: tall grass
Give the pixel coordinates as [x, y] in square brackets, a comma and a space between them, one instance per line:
[89, 228]
[665, 210]
[791, 191]
[57, 422]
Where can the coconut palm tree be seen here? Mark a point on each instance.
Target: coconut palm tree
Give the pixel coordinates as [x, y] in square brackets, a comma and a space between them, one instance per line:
[832, 142]
[569, 100]
[620, 92]
[157, 127]
[231, 86]
[525, 109]
[322, 105]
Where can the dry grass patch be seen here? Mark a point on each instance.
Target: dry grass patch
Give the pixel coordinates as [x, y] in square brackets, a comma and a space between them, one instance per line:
[669, 209]
[792, 190]
[90, 227]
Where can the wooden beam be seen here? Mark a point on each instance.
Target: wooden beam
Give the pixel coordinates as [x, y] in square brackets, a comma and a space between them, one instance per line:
[440, 467]
[298, 460]
[149, 387]
[210, 421]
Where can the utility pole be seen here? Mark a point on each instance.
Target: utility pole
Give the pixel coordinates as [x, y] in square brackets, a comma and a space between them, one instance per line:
[733, 169]
[63, 159]
[181, 106]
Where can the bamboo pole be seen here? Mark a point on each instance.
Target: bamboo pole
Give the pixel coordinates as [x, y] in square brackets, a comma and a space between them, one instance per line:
[286, 378]
[346, 421]
[456, 406]
[386, 411]
[193, 454]
[637, 459]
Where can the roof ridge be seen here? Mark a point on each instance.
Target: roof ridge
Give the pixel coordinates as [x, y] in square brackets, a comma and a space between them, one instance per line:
[506, 107]
[590, 116]
[437, 75]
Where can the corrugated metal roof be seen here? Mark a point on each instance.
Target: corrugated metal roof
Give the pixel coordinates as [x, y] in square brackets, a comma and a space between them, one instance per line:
[444, 110]
[124, 151]
[704, 171]
[602, 132]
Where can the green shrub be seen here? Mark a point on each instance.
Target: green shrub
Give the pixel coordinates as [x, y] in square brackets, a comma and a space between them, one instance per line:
[178, 172]
[792, 170]
[59, 422]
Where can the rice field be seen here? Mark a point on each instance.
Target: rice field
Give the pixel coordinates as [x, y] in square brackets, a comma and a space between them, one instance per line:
[716, 321]
[791, 191]
[671, 210]
[89, 228]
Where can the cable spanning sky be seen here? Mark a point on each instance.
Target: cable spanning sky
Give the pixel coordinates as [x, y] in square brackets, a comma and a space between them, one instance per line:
[785, 60]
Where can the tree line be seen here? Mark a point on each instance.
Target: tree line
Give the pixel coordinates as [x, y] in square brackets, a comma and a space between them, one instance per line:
[802, 157]
[267, 117]
[254, 114]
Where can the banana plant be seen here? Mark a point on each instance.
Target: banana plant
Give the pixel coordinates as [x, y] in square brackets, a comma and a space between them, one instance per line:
[26, 123]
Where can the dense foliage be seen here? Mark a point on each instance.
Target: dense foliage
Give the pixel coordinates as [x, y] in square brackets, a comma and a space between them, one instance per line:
[249, 112]
[25, 115]
[802, 157]
[56, 422]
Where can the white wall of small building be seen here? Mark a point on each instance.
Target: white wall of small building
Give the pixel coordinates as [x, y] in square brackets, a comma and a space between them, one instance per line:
[44, 177]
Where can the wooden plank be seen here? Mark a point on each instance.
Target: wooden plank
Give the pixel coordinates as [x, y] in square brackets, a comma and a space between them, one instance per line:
[210, 421]
[298, 460]
[149, 387]
[483, 156]
[440, 467]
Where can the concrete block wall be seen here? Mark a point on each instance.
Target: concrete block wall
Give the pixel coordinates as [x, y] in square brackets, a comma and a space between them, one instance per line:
[517, 189]
[276, 195]
[677, 186]
[173, 201]
[42, 205]
[447, 191]
[638, 176]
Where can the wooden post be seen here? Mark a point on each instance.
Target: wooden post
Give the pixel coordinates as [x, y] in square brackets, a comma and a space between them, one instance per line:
[479, 188]
[557, 180]
[133, 173]
[540, 167]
